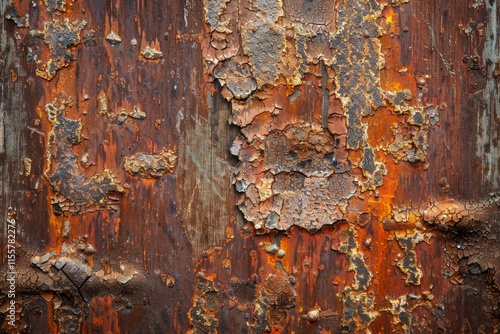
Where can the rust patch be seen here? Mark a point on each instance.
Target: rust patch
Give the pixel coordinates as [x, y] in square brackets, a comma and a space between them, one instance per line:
[74, 192]
[305, 180]
[276, 296]
[151, 165]
[21, 22]
[358, 310]
[349, 246]
[58, 36]
[332, 54]
[69, 278]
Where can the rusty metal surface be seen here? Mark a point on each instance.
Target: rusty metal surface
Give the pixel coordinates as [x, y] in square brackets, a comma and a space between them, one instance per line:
[251, 166]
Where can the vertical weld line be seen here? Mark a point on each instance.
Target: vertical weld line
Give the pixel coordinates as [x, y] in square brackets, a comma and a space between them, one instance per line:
[324, 103]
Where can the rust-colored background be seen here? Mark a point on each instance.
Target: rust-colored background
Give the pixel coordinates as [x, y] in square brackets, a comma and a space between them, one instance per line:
[172, 252]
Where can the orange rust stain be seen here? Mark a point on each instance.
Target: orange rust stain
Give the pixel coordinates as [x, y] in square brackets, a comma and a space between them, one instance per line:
[102, 316]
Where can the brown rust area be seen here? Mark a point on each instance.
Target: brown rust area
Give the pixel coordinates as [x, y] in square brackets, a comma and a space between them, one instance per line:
[73, 191]
[289, 280]
[334, 60]
[349, 246]
[151, 165]
[59, 35]
[301, 167]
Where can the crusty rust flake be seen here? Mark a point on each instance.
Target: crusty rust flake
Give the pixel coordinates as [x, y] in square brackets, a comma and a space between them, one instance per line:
[58, 36]
[74, 192]
[151, 165]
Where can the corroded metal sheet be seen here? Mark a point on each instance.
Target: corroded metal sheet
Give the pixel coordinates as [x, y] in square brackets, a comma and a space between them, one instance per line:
[252, 166]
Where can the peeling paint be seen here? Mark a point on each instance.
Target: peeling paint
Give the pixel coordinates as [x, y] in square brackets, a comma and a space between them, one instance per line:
[358, 310]
[58, 36]
[21, 22]
[281, 44]
[305, 182]
[151, 165]
[349, 246]
[72, 278]
[74, 192]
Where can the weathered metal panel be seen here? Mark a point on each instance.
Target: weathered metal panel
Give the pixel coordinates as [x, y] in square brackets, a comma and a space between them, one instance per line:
[250, 166]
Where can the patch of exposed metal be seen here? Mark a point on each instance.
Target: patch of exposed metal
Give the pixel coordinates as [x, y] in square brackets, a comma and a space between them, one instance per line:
[59, 36]
[260, 48]
[151, 165]
[74, 192]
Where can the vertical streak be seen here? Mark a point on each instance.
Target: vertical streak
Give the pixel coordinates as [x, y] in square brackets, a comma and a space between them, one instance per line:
[325, 104]
[489, 117]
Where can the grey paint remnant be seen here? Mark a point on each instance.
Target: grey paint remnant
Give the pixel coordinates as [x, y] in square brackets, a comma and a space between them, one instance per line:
[487, 147]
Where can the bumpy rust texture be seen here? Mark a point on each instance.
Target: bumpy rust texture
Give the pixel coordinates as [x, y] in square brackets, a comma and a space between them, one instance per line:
[276, 296]
[345, 180]
[151, 165]
[58, 36]
[74, 192]
[276, 45]
[304, 181]
[69, 281]
[21, 22]
[349, 246]
[120, 117]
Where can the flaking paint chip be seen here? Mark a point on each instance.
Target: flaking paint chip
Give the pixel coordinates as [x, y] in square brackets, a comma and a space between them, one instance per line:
[113, 38]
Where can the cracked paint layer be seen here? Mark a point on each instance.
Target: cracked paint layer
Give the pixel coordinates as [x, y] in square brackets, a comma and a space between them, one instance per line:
[73, 191]
[305, 179]
[151, 165]
[325, 53]
[59, 36]
[358, 310]
[69, 280]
